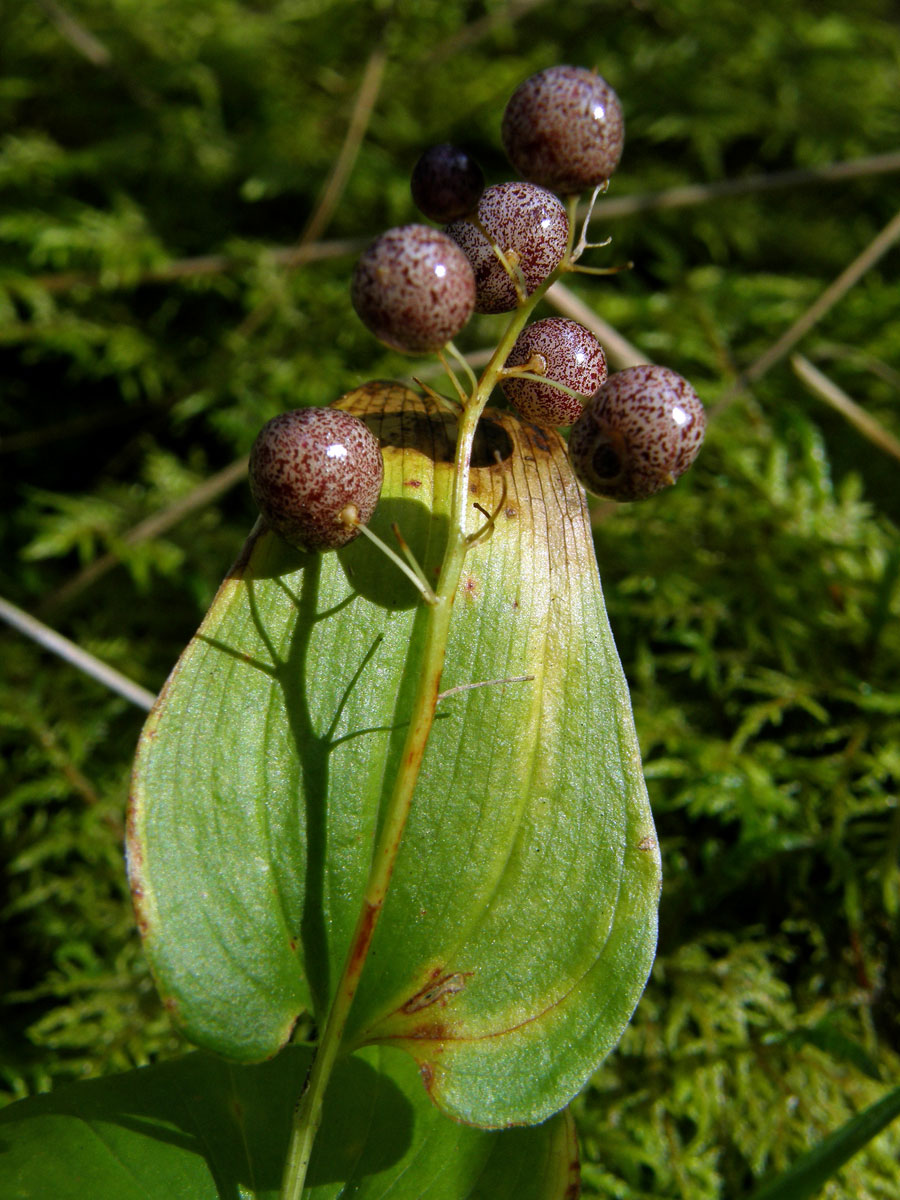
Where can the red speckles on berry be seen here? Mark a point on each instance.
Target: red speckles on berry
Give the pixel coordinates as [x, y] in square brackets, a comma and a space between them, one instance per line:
[569, 355]
[563, 128]
[316, 475]
[638, 434]
[414, 288]
[446, 183]
[530, 226]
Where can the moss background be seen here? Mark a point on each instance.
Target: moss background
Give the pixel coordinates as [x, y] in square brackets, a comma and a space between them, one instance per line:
[152, 155]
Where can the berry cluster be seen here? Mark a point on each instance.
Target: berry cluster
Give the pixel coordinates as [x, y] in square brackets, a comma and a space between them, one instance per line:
[314, 473]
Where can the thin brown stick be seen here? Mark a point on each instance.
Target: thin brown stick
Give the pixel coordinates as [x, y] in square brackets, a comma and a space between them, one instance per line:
[291, 257]
[160, 522]
[826, 389]
[835, 291]
[702, 193]
[288, 257]
[331, 193]
[73, 654]
[329, 197]
[75, 34]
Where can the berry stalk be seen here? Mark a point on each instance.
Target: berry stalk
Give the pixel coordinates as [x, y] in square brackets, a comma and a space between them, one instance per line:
[309, 1110]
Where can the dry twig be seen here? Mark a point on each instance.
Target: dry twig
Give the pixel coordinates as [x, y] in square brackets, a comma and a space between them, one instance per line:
[73, 654]
[298, 255]
[289, 257]
[75, 34]
[835, 291]
[702, 193]
[823, 387]
[154, 525]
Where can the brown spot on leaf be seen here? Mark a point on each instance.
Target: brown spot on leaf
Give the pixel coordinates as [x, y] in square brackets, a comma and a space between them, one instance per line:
[437, 991]
[538, 437]
[647, 843]
[413, 483]
[434, 1031]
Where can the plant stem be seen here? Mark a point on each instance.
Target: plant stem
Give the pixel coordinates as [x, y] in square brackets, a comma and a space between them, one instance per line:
[308, 1114]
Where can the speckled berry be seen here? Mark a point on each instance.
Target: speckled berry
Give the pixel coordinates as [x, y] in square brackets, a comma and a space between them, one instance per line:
[530, 226]
[637, 434]
[567, 353]
[563, 128]
[316, 475]
[414, 288]
[446, 183]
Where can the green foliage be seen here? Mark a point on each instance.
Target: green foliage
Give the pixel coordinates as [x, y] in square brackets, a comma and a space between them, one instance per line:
[755, 606]
[203, 1128]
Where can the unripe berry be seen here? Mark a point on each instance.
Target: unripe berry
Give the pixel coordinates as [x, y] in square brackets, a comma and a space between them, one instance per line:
[568, 354]
[563, 128]
[316, 475]
[530, 226]
[637, 434]
[446, 183]
[414, 288]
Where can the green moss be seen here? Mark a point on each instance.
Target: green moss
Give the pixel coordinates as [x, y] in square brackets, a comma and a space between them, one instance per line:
[755, 606]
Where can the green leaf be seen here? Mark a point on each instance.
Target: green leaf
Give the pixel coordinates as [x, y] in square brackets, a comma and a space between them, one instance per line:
[521, 922]
[200, 1129]
[812, 1171]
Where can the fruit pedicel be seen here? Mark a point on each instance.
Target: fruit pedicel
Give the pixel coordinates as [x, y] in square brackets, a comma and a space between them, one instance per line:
[314, 472]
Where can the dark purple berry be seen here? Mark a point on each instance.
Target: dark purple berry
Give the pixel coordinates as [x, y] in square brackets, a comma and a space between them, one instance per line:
[568, 354]
[316, 475]
[446, 183]
[530, 226]
[637, 434]
[563, 128]
[414, 288]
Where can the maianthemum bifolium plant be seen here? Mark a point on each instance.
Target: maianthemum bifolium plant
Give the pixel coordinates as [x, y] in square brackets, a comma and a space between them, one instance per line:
[391, 800]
